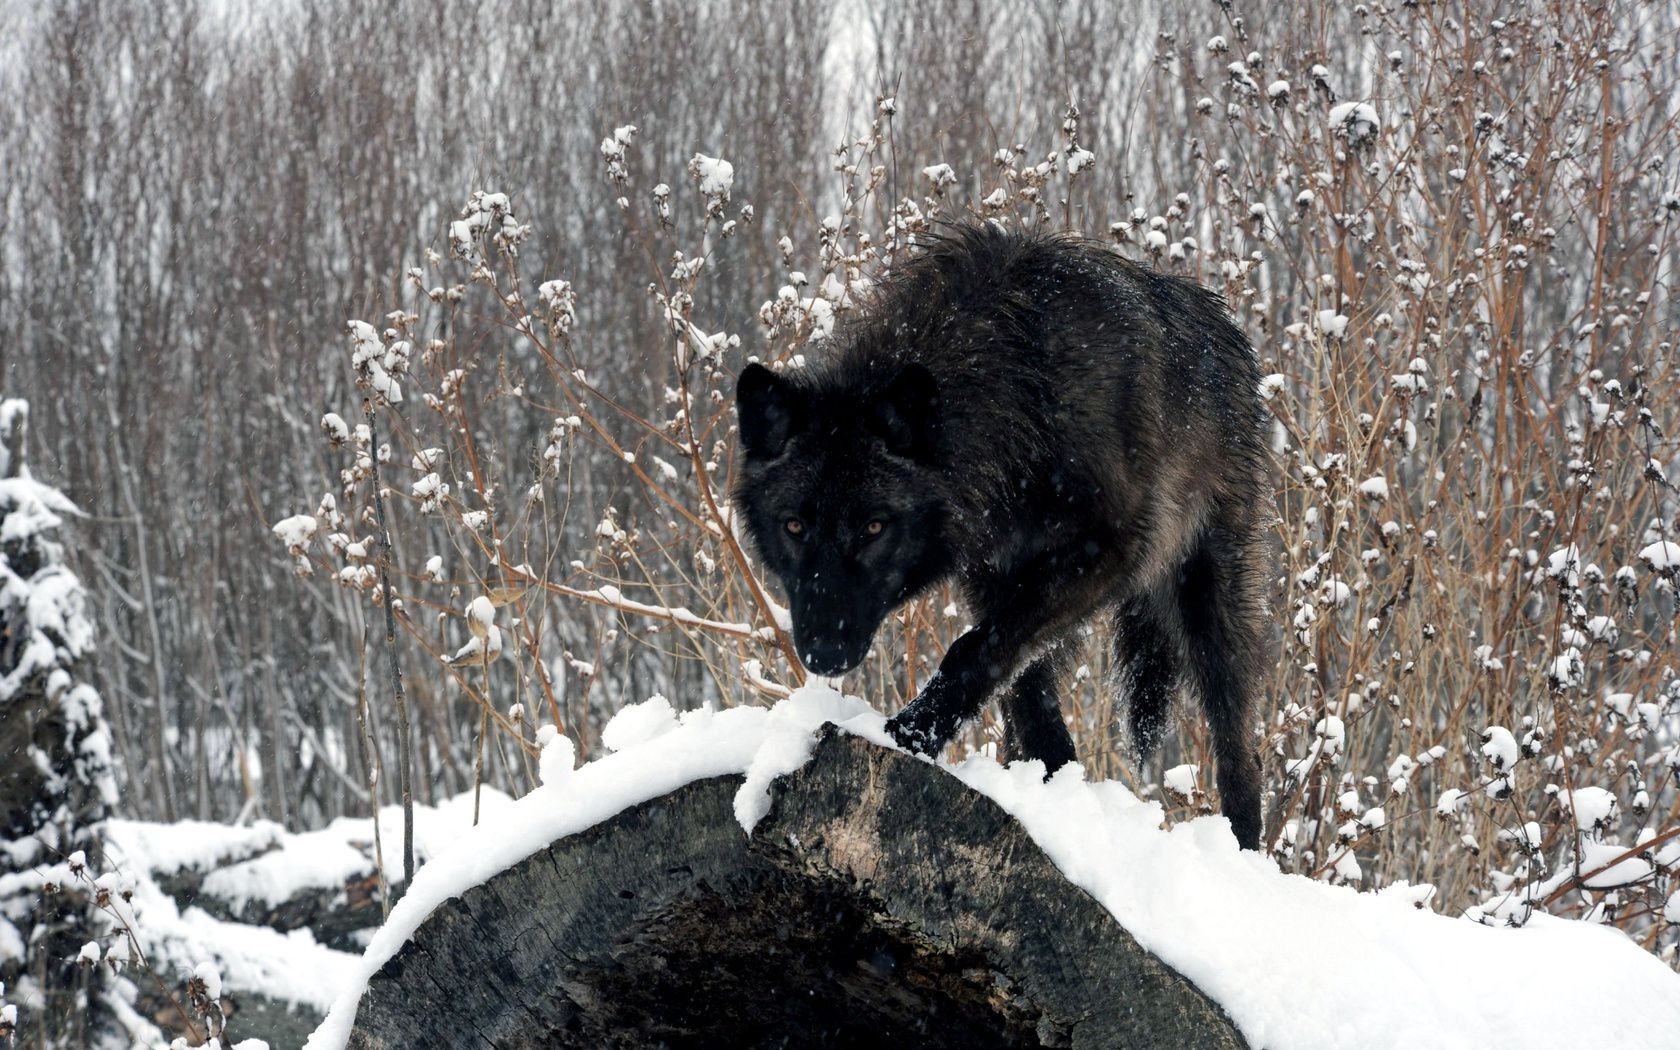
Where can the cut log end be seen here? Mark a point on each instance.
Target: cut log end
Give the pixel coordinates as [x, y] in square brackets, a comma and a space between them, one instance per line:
[880, 899]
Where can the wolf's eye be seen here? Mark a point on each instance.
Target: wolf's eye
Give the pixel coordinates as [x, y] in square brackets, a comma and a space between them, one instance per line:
[795, 526]
[874, 528]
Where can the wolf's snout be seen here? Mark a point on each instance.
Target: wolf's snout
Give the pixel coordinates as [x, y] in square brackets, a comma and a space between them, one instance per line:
[831, 657]
[831, 649]
[828, 666]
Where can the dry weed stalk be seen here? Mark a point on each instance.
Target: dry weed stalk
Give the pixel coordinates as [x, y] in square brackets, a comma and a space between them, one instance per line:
[1475, 594]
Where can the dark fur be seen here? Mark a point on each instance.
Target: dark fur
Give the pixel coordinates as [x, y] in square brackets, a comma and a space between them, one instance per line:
[1062, 432]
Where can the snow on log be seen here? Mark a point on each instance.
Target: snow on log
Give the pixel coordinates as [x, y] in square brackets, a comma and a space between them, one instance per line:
[879, 898]
[875, 895]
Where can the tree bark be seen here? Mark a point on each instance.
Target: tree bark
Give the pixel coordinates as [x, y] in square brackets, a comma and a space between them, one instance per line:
[880, 900]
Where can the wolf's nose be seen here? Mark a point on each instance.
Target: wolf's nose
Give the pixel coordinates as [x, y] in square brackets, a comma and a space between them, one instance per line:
[830, 661]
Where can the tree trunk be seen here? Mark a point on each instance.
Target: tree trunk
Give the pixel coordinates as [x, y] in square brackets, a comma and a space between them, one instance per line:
[881, 900]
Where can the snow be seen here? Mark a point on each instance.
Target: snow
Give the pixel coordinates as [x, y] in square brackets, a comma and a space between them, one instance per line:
[703, 743]
[558, 756]
[940, 175]
[268, 866]
[30, 508]
[1592, 806]
[1332, 324]
[637, 723]
[287, 967]
[485, 214]
[1374, 488]
[1596, 855]
[1358, 121]
[481, 615]
[1331, 733]
[303, 862]
[187, 845]
[1564, 564]
[337, 431]
[45, 634]
[1180, 780]
[11, 942]
[715, 177]
[1336, 592]
[431, 491]
[1274, 950]
[375, 364]
[1500, 748]
[1409, 384]
[1451, 802]
[296, 531]
[1663, 556]
[212, 979]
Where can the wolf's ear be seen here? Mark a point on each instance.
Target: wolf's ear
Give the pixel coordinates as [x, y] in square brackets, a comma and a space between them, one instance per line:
[766, 406]
[906, 415]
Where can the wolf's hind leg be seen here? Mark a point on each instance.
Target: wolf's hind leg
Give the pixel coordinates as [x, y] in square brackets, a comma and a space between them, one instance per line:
[1032, 715]
[1219, 601]
[1146, 648]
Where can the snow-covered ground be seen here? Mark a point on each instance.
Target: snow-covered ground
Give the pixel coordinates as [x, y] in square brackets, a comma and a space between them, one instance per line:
[255, 869]
[1296, 963]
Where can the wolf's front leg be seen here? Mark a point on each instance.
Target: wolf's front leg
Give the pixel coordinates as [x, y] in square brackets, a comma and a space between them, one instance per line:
[929, 722]
[952, 696]
[1019, 615]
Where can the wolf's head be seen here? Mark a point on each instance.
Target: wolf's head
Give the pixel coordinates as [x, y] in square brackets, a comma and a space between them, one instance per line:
[843, 502]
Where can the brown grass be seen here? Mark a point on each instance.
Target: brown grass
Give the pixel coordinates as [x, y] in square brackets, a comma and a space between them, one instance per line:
[1468, 312]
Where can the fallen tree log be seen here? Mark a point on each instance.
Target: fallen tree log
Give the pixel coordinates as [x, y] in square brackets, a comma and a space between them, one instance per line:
[334, 913]
[880, 899]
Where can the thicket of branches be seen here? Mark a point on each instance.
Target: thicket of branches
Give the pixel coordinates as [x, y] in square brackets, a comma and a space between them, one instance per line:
[1450, 234]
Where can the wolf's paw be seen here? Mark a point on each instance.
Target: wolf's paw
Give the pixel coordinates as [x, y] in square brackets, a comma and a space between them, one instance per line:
[909, 738]
[919, 730]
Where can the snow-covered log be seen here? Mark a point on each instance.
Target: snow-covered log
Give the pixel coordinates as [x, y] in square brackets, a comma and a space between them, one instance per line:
[333, 906]
[787, 873]
[879, 899]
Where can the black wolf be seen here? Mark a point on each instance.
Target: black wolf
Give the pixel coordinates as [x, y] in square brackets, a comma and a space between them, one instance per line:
[1064, 433]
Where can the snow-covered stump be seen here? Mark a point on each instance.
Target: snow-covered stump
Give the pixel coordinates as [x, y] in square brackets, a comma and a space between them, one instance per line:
[880, 897]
